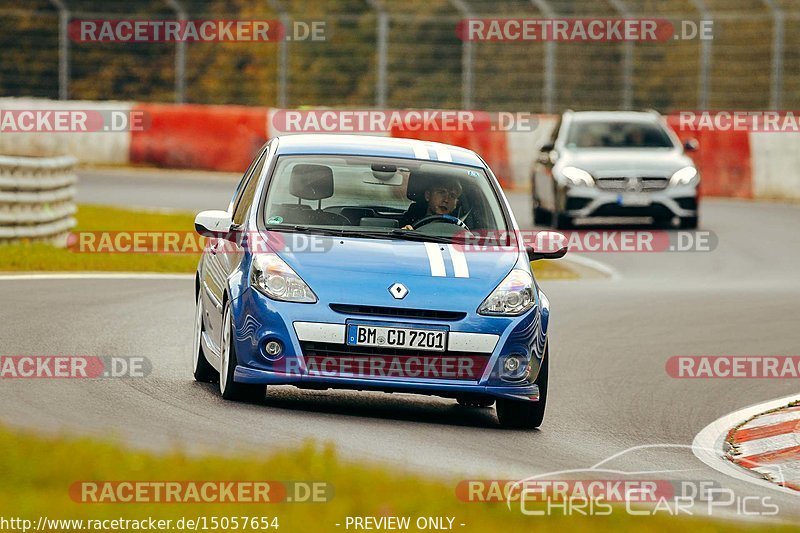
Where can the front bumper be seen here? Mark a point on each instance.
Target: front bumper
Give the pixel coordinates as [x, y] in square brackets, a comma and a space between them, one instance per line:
[584, 202]
[310, 333]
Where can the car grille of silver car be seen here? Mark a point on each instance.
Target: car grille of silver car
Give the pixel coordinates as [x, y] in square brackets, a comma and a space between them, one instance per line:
[632, 184]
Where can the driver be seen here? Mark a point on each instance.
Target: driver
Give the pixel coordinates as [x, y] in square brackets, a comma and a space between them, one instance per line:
[441, 197]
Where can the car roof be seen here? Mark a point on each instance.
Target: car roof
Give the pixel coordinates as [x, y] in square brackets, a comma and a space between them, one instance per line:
[615, 116]
[370, 145]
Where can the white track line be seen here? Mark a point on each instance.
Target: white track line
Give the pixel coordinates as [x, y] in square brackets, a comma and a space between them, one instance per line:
[92, 275]
[593, 264]
[708, 444]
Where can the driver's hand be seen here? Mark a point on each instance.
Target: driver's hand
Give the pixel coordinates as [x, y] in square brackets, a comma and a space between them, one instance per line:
[408, 226]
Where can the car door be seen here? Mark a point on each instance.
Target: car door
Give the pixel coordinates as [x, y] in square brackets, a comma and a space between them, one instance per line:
[222, 256]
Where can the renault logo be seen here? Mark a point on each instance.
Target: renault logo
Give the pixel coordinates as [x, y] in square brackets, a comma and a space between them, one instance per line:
[398, 290]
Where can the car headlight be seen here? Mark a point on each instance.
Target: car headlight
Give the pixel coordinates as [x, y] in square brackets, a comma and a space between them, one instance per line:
[275, 279]
[578, 176]
[685, 176]
[512, 297]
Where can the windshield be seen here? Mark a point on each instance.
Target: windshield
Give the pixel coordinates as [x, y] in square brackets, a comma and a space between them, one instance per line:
[597, 134]
[394, 198]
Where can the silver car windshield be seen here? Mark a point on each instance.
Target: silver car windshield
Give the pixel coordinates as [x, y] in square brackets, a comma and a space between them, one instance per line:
[374, 194]
[605, 134]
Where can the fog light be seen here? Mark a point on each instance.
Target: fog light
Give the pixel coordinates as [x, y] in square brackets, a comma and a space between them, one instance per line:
[515, 367]
[273, 349]
[511, 365]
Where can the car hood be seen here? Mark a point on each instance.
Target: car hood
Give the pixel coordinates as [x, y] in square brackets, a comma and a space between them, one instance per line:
[360, 271]
[626, 161]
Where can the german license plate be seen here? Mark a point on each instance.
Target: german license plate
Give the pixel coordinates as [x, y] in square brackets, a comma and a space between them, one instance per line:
[634, 199]
[387, 337]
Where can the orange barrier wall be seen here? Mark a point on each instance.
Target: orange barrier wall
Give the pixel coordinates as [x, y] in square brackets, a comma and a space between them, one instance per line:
[199, 136]
[724, 160]
[227, 137]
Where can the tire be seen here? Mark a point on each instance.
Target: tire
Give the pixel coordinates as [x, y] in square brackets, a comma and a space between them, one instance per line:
[562, 221]
[228, 388]
[516, 414]
[541, 217]
[202, 369]
[689, 223]
[474, 402]
[662, 222]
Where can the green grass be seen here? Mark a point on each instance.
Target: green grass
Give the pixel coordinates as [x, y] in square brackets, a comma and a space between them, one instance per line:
[37, 473]
[37, 257]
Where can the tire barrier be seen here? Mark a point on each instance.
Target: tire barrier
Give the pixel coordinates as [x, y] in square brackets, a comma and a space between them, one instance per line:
[37, 199]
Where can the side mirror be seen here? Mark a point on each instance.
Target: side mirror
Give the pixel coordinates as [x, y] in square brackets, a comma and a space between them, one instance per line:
[546, 154]
[213, 224]
[549, 245]
[691, 145]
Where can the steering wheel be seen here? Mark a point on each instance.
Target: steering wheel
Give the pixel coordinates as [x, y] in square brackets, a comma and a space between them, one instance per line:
[450, 219]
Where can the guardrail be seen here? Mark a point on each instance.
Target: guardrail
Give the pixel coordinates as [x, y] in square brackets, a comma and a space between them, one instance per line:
[37, 199]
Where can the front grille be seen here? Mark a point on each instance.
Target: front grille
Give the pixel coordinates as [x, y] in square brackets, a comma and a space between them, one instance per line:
[341, 360]
[399, 312]
[633, 184]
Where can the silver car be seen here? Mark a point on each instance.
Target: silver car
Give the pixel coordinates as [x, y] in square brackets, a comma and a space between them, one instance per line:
[615, 164]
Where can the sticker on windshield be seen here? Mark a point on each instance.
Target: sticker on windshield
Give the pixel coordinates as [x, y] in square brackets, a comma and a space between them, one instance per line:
[274, 220]
[473, 174]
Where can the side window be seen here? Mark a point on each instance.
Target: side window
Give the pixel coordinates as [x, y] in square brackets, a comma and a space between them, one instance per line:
[247, 189]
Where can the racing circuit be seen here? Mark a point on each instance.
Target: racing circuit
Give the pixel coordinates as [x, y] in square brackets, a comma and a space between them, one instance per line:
[609, 387]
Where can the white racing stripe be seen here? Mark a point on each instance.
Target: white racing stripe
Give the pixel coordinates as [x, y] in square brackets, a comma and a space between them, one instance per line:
[459, 262]
[436, 259]
[420, 152]
[443, 154]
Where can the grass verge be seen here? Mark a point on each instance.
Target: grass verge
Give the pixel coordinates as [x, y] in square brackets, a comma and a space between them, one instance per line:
[38, 473]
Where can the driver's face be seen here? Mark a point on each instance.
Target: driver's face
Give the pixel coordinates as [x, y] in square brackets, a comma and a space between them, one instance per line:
[441, 201]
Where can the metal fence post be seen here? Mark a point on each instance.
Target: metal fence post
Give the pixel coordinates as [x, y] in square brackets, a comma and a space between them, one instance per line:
[180, 55]
[549, 84]
[705, 59]
[283, 53]
[466, 57]
[382, 51]
[778, 35]
[63, 49]
[627, 58]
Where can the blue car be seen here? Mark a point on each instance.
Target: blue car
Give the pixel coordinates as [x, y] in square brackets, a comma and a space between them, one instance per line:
[372, 263]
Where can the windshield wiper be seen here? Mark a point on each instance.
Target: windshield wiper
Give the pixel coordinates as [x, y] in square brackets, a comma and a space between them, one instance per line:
[404, 234]
[411, 235]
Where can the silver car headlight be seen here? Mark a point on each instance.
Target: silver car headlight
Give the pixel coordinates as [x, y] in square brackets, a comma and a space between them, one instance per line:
[271, 276]
[578, 176]
[685, 176]
[512, 297]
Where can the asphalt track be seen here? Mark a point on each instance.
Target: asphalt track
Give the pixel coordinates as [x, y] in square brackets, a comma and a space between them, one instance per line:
[610, 341]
